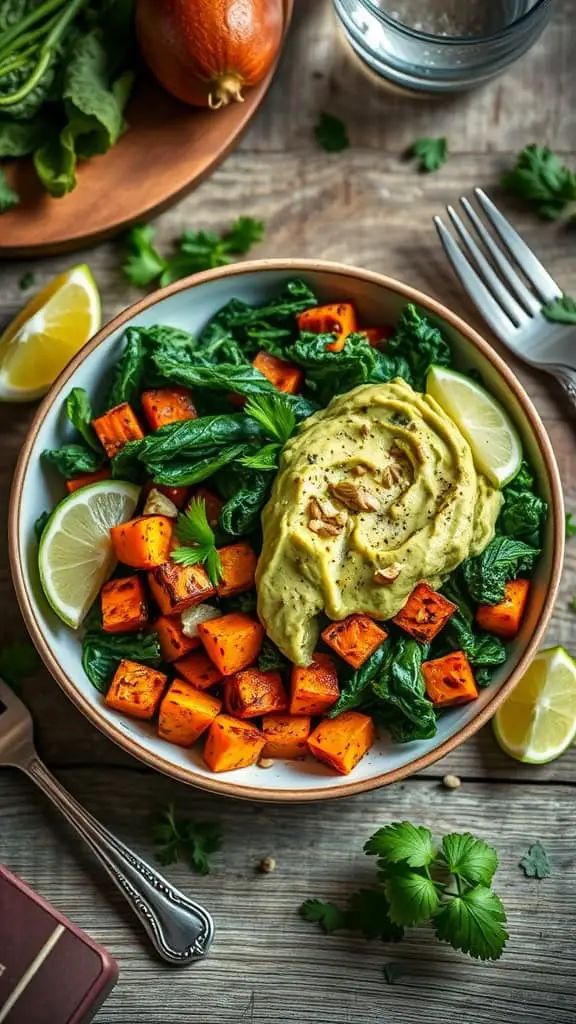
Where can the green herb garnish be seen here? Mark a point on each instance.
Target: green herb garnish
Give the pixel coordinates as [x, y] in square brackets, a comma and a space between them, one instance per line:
[179, 839]
[561, 311]
[79, 412]
[570, 525]
[26, 281]
[198, 541]
[536, 863]
[541, 179]
[450, 887]
[432, 154]
[274, 414]
[331, 133]
[195, 251]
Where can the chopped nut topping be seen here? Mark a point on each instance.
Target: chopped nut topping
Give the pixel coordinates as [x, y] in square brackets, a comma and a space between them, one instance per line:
[325, 519]
[265, 762]
[387, 576]
[324, 529]
[392, 475]
[359, 470]
[355, 497]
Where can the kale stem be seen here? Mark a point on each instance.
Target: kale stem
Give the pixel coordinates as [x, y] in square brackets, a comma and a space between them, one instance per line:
[34, 16]
[30, 37]
[46, 54]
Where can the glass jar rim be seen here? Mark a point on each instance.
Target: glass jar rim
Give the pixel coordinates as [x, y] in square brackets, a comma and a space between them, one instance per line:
[429, 37]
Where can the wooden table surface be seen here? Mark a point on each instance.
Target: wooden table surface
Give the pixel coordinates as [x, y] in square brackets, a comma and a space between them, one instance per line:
[367, 207]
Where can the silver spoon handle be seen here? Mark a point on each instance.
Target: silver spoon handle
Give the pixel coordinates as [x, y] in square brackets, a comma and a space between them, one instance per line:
[180, 929]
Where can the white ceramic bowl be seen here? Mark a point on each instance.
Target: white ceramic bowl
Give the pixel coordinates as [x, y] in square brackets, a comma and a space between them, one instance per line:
[189, 304]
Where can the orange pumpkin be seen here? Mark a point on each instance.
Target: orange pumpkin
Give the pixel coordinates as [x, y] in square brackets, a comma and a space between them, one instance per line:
[205, 52]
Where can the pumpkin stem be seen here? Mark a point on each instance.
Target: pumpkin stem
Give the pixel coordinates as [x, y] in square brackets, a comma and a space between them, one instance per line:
[225, 89]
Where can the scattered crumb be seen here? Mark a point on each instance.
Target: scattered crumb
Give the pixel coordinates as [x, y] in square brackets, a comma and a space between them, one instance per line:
[451, 782]
[267, 865]
[265, 762]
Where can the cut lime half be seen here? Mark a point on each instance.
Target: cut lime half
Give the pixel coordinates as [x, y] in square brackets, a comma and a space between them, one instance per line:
[76, 555]
[537, 722]
[492, 436]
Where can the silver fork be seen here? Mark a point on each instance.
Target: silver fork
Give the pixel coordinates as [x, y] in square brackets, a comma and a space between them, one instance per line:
[180, 929]
[509, 286]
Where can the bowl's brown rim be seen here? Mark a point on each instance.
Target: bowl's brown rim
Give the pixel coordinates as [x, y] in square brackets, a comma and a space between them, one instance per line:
[217, 784]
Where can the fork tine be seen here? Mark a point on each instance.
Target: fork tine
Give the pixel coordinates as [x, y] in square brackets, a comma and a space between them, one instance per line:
[495, 286]
[473, 284]
[522, 293]
[537, 274]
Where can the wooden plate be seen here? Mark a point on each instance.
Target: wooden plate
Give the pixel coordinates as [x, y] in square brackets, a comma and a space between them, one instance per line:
[167, 151]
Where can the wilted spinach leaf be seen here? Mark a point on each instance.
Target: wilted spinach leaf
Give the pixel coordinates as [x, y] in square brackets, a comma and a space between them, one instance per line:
[421, 344]
[103, 652]
[79, 412]
[128, 372]
[402, 705]
[486, 575]
[73, 460]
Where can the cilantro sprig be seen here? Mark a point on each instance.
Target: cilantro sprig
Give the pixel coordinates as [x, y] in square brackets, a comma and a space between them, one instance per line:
[195, 251]
[536, 863]
[274, 414]
[177, 839]
[419, 882]
[541, 179]
[198, 541]
[431, 153]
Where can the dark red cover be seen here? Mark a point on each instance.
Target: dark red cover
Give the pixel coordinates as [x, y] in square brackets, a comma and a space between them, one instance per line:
[50, 971]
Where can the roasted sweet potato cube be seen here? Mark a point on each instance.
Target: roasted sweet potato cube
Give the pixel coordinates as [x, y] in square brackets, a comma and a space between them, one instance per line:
[283, 375]
[251, 693]
[232, 642]
[378, 336]
[136, 689]
[116, 427]
[176, 587]
[354, 639]
[504, 619]
[185, 713]
[286, 736]
[86, 479]
[167, 405]
[239, 568]
[143, 542]
[197, 669]
[124, 607]
[339, 318]
[425, 613]
[232, 744]
[449, 680]
[341, 742]
[173, 642]
[314, 689]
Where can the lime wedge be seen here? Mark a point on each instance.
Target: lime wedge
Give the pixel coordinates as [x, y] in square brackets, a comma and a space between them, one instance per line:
[51, 328]
[537, 722]
[76, 555]
[495, 444]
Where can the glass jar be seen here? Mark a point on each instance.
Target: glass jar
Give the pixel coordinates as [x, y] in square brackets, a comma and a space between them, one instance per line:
[440, 46]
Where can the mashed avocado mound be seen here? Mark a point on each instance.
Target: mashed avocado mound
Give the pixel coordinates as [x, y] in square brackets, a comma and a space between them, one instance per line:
[375, 494]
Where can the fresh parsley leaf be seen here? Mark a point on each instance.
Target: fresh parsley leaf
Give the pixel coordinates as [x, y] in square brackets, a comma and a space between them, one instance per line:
[331, 133]
[179, 839]
[413, 897]
[143, 263]
[403, 841]
[368, 913]
[469, 858]
[541, 179]
[199, 541]
[26, 281]
[570, 525]
[265, 458]
[244, 233]
[536, 863]
[473, 922]
[79, 412]
[8, 197]
[18, 660]
[328, 916]
[274, 414]
[561, 311]
[432, 154]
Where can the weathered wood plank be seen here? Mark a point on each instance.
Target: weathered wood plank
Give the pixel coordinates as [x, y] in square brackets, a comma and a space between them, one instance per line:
[267, 966]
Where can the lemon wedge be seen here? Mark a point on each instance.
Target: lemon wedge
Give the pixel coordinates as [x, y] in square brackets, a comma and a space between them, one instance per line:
[51, 328]
[496, 447]
[537, 722]
[76, 555]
